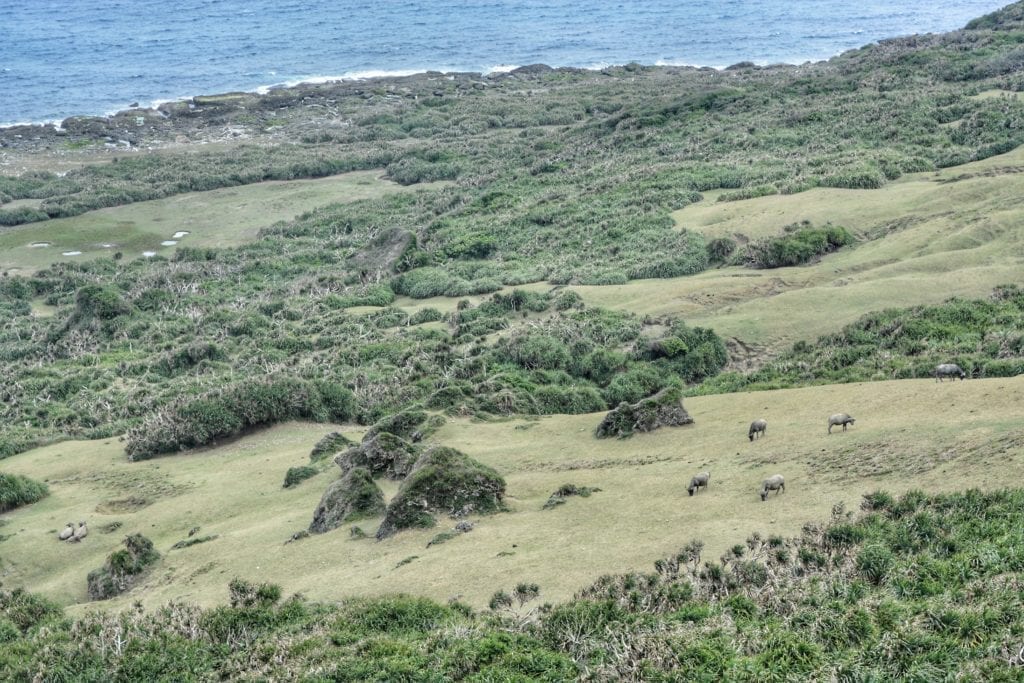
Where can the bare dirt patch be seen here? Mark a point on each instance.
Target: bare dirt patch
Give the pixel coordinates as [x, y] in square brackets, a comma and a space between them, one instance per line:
[122, 505]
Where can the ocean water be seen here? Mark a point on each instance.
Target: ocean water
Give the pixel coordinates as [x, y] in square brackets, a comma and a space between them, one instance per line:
[74, 57]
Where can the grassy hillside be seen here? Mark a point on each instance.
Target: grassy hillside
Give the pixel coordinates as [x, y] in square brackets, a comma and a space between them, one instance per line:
[217, 218]
[923, 238]
[909, 434]
[515, 255]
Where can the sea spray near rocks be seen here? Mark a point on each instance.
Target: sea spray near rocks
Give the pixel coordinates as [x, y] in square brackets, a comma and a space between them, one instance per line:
[260, 45]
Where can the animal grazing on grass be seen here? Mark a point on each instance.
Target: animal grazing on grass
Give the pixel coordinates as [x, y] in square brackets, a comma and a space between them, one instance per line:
[840, 419]
[698, 481]
[81, 532]
[67, 533]
[776, 483]
[951, 370]
[758, 428]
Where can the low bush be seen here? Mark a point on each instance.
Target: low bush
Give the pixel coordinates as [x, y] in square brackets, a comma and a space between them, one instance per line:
[796, 247]
[296, 475]
[123, 568]
[17, 490]
[353, 497]
[445, 481]
[663, 409]
[224, 413]
[333, 443]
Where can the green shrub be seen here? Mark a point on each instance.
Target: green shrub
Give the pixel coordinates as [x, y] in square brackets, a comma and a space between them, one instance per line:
[353, 497]
[224, 413]
[797, 247]
[425, 315]
[874, 563]
[296, 475]
[720, 249]
[17, 490]
[26, 610]
[103, 302]
[246, 594]
[446, 481]
[21, 215]
[333, 443]
[398, 614]
[123, 568]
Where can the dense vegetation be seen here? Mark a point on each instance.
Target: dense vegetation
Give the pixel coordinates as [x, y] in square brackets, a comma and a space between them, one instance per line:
[984, 337]
[17, 490]
[912, 588]
[123, 568]
[179, 354]
[797, 245]
[564, 176]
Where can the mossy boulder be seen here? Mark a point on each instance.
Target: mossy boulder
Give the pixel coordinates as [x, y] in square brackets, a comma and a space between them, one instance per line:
[664, 409]
[383, 454]
[333, 443]
[443, 481]
[123, 568]
[352, 497]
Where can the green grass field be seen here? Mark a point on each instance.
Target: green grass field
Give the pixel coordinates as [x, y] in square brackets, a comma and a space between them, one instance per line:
[218, 218]
[909, 434]
[926, 237]
[923, 238]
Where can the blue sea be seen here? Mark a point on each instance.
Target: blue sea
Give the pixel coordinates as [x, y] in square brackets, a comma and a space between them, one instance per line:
[74, 57]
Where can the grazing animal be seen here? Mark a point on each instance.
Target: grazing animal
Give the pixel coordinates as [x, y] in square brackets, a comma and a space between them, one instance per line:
[68, 532]
[776, 483]
[951, 370]
[840, 419]
[81, 532]
[758, 428]
[698, 481]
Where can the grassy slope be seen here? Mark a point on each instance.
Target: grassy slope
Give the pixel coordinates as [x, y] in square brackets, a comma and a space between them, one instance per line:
[951, 233]
[910, 433]
[218, 218]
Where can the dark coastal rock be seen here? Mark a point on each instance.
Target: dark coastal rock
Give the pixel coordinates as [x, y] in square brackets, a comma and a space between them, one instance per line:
[178, 108]
[532, 70]
[92, 126]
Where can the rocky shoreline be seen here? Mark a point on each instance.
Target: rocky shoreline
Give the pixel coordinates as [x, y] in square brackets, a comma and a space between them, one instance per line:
[284, 114]
[233, 116]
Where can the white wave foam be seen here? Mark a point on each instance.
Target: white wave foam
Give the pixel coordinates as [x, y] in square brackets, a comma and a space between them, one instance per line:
[45, 122]
[71, 253]
[347, 76]
[500, 69]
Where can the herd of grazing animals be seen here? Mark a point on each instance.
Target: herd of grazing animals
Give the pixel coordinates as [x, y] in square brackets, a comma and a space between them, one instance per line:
[759, 428]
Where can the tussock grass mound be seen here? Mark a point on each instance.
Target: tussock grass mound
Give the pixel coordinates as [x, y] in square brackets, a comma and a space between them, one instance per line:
[664, 409]
[350, 498]
[444, 481]
[383, 454]
[123, 568]
[17, 490]
[333, 443]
